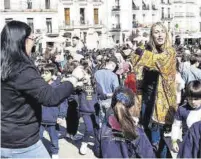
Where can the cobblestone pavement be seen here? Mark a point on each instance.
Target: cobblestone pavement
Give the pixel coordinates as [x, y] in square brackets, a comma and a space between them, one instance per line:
[69, 148]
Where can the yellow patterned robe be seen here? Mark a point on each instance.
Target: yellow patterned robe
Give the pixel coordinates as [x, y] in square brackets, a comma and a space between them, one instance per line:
[165, 103]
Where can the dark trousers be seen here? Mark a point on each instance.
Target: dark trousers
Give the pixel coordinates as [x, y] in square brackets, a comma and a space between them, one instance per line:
[51, 129]
[91, 126]
[72, 117]
[153, 131]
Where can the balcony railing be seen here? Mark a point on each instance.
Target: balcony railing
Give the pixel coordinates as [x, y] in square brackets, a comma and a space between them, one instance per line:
[116, 27]
[67, 0]
[116, 8]
[178, 1]
[145, 7]
[72, 25]
[178, 15]
[135, 24]
[136, 8]
[154, 7]
[190, 15]
[31, 10]
[97, 0]
[166, 18]
[190, 1]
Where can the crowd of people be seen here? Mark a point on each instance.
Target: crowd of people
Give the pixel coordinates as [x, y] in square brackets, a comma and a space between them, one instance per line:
[134, 99]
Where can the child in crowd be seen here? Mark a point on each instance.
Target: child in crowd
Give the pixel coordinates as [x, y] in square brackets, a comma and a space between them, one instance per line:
[187, 114]
[191, 146]
[121, 136]
[89, 96]
[50, 113]
[72, 117]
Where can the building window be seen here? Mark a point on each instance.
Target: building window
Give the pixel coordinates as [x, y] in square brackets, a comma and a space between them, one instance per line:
[200, 11]
[47, 4]
[82, 16]
[116, 2]
[8, 20]
[145, 6]
[67, 16]
[7, 4]
[49, 25]
[168, 26]
[200, 26]
[143, 15]
[29, 4]
[168, 12]
[96, 19]
[30, 23]
[162, 13]
[134, 21]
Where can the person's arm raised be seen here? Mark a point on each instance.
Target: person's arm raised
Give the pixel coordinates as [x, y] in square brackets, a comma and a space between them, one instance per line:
[30, 83]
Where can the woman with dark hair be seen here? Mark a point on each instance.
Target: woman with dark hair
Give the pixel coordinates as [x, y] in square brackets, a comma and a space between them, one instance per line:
[121, 136]
[23, 93]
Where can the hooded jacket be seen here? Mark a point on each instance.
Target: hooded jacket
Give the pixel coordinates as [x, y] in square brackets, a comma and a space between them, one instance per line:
[111, 143]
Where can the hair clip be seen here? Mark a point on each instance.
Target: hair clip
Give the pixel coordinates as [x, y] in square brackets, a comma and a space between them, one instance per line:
[123, 98]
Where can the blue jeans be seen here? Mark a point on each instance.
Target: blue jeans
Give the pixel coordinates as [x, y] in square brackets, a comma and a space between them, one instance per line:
[104, 106]
[157, 140]
[53, 133]
[37, 150]
[91, 126]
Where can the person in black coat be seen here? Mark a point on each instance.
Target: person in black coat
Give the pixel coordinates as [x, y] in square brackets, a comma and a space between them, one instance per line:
[23, 92]
[121, 136]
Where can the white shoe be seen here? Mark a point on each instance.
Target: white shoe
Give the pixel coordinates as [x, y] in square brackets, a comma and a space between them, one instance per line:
[84, 148]
[55, 156]
[75, 137]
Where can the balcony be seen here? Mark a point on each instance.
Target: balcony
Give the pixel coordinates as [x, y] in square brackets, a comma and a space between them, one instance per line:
[179, 15]
[168, 18]
[79, 25]
[116, 8]
[190, 1]
[98, 25]
[136, 7]
[154, 7]
[178, 1]
[135, 24]
[97, 0]
[190, 15]
[145, 7]
[116, 27]
[67, 2]
[31, 10]
[169, 2]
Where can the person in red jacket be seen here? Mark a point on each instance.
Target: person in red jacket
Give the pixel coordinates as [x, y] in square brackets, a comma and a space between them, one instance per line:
[130, 81]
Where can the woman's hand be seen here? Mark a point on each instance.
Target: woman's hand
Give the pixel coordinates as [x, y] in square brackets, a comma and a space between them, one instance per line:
[78, 73]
